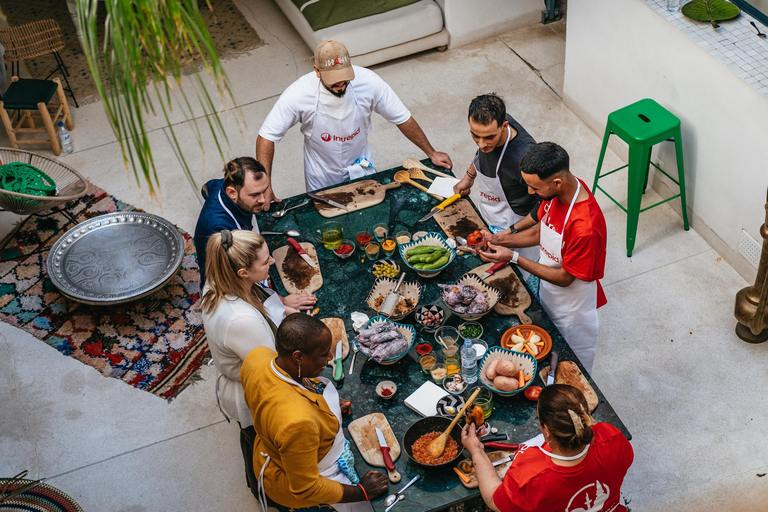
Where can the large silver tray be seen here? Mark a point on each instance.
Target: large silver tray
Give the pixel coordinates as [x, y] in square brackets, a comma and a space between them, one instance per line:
[115, 258]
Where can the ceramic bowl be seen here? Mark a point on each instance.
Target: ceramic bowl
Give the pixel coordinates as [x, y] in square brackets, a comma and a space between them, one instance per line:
[386, 261]
[428, 239]
[474, 280]
[526, 331]
[433, 309]
[526, 361]
[458, 380]
[407, 332]
[386, 384]
[410, 290]
[472, 324]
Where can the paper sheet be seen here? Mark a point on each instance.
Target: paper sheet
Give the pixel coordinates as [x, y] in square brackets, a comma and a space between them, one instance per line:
[443, 186]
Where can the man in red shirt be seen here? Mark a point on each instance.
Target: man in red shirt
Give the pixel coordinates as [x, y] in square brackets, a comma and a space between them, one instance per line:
[571, 236]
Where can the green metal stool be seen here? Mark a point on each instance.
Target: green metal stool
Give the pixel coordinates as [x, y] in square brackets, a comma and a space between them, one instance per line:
[642, 125]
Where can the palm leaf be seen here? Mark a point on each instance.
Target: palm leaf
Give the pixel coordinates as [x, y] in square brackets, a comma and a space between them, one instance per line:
[711, 11]
[138, 72]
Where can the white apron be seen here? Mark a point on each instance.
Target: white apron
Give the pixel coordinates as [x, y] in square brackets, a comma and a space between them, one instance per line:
[494, 206]
[573, 309]
[327, 466]
[274, 306]
[334, 145]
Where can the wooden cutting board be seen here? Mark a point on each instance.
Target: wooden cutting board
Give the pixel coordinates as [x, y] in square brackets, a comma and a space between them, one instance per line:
[460, 219]
[364, 435]
[355, 196]
[296, 274]
[501, 469]
[339, 333]
[568, 372]
[515, 298]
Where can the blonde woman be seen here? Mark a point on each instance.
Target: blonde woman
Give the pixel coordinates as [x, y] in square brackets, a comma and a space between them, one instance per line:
[236, 320]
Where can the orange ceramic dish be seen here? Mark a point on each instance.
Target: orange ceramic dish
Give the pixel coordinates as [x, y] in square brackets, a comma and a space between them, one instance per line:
[526, 331]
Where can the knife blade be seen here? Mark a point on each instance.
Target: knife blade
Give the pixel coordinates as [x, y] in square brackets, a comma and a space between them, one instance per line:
[441, 207]
[318, 197]
[502, 446]
[488, 273]
[552, 368]
[494, 437]
[502, 461]
[299, 249]
[338, 371]
[392, 473]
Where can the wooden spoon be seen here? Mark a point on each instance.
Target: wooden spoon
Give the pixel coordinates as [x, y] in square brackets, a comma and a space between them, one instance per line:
[412, 163]
[437, 447]
[404, 177]
[418, 174]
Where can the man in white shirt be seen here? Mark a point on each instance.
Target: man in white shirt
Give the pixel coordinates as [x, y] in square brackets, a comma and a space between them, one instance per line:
[334, 106]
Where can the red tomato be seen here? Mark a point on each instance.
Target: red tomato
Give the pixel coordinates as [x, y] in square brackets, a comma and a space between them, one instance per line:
[532, 393]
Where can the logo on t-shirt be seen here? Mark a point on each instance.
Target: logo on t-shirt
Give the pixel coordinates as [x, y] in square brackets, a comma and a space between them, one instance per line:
[325, 136]
[592, 496]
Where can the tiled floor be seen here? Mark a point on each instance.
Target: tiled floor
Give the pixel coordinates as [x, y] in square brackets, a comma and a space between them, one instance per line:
[687, 388]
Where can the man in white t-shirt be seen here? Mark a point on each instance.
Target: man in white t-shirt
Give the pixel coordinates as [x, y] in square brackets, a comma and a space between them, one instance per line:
[334, 106]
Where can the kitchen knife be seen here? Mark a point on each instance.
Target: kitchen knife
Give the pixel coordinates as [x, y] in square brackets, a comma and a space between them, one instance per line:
[502, 461]
[299, 249]
[488, 273]
[392, 473]
[502, 446]
[338, 371]
[440, 207]
[552, 368]
[318, 197]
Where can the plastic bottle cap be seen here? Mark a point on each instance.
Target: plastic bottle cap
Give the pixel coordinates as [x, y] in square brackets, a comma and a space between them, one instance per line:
[61, 123]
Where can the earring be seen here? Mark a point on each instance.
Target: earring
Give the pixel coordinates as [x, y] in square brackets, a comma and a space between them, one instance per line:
[299, 372]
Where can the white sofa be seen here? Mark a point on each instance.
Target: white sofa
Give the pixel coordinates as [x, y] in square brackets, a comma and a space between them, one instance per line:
[374, 39]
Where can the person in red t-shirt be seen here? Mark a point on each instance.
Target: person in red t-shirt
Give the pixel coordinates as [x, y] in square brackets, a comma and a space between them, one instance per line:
[580, 468]
[571, 236]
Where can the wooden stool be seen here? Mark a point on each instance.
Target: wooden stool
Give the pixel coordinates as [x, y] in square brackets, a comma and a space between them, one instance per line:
[32, 40]
[642, 125]
[28, 95]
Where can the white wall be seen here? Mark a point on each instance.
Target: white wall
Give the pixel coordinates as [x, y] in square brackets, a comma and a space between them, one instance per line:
[620, 51]
[472, 20]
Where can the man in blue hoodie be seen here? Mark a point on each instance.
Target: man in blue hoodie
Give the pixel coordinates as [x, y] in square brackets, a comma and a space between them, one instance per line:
[231, 203]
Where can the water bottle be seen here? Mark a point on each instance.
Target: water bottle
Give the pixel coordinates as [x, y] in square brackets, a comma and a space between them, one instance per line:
[468, 362]
[65, 139]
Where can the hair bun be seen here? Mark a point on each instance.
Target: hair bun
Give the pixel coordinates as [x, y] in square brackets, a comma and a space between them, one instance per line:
[226, 239]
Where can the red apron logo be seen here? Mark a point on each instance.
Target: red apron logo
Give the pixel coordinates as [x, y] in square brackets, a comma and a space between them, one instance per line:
[488, 197]
[325, 136]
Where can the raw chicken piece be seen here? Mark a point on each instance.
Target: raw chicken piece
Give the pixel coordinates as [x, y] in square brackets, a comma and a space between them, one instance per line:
[385, 336]
[390, 349]
[468, 294]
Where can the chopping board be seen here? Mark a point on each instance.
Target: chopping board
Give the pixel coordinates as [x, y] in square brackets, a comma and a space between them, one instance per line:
[460, 219]
[355, 196]
[339, 333]
[567, 372]
[296, 274]
[501, 469]
[514, 295]
[364, 436]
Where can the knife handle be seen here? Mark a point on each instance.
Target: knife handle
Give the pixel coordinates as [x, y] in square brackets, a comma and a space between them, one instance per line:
[317, 197]
[449, 201]
[338, 370]
[496, 267]
[293, 243]
[392, 473]
[553, 363]
[502, 446]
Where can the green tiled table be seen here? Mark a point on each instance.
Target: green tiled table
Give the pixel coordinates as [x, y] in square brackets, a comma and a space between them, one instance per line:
[346, 284]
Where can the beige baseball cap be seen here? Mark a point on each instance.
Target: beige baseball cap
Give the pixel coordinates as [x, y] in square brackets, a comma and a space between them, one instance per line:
[332, 59]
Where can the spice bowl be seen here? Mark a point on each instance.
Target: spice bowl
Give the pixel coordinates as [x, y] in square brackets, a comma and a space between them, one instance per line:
[454, 384]
[386, 389]
[385, 268]
[346, 245]
[430, 317]
[471, 330]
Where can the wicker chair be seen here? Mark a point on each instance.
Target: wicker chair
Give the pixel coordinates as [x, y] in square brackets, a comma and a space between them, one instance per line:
[71, 184]
[35, 39]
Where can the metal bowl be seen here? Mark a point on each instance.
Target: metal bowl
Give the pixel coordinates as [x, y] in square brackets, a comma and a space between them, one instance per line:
[115, 258]
[425, 426]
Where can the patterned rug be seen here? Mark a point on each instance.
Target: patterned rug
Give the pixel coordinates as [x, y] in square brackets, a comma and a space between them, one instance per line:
[230, 31]
[156, 344]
